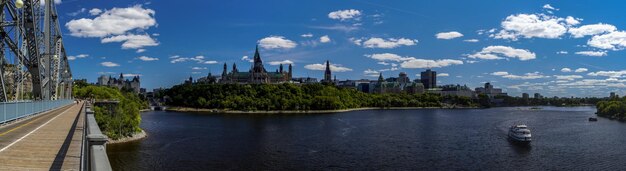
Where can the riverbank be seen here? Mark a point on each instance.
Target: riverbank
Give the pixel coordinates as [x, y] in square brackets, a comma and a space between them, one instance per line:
[223, 111]
[136, 136]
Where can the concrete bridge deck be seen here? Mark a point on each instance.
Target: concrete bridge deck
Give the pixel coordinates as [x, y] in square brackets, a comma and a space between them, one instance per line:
[49, 141]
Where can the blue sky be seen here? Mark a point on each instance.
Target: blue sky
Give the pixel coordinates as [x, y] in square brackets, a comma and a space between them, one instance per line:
[557, 48]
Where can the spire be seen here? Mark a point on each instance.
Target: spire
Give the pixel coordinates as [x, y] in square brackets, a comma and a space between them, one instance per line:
[281, 68]
[257, 56]
[380, 78]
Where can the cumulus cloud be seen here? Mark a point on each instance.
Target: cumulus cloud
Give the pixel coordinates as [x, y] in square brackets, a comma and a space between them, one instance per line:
[500, 52]
[530, 26]
[614, 74]
[284, 62]
[277, 42]
[591, 29]
[198, 59]
[322, 67]
[572, 21]
[527, 76]
[325, 39]
[566, 70]
[344, 14]
[246, 58]
[568, 77]
[371, 73]
[613, 40]
[116, 21]
[145, 58]
[95, 11]
[71, 58]
[80, 11]
[581, 70]
[443, 75]
[592, 53]
[140, 50]
[412, 62]
[471, 40]
[307, 35]
[390, 43]
[109, 64]
[448, 35]
[549, 7]
[132, 41]
[427, 63]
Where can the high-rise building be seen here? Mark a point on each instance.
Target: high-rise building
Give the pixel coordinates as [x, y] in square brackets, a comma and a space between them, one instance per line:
[429, 79]
[538, 96]
[327, 73]
[525, 95]
[612, 95]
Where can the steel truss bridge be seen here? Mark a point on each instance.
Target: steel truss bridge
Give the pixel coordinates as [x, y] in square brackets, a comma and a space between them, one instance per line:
[32, 52]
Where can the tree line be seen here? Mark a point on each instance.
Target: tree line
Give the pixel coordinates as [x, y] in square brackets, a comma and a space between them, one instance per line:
[120, 121]
[614, 108]
[251, 97]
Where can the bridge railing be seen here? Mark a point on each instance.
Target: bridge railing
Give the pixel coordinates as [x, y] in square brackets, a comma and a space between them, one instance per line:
[94, 156]
[10, 111]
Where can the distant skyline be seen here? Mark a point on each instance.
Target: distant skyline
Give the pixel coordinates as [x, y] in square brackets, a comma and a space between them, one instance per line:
[556, 48]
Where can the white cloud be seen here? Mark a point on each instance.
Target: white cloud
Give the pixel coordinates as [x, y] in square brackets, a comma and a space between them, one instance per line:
[591, 29]
[471, 40]
[131, 75]
[568, 77]
[132, 41]
[246, 58]
[581, 70]
[80, 11]
[572, 21]
[614, 40]
[145, 58]
[443, 75]
[531, 25]
[499, 52]
[42, 2]
[95, 11]
[198, 59]
[277, 42]
[562, 52]
[109, 64]
[199, 68]
[284, 62]
[427, 63]
[79, 56]
[116, 21]
[448, 35]
[614, 74]
[388, 57]
[527, 76]
[371, 73]
[325, 39]
[592, 53]
[174, 56]
[322, 67]
[307, 35]
[566, 70]
[344, 14]
[548, 6]
[338, 27]
[376, 42]
[140, 50]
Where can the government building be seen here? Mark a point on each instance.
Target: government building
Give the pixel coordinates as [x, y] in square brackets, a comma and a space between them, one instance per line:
[257, 73]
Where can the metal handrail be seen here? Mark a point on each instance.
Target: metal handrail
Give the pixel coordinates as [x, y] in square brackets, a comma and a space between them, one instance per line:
[94, 157]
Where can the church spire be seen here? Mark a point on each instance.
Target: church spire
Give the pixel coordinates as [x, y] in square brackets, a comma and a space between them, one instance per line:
[257, 56]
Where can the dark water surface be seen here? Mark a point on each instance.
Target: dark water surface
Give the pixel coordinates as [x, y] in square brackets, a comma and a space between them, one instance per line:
[426, 139]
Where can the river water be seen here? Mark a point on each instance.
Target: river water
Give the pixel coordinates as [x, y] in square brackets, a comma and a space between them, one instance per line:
[426, 139]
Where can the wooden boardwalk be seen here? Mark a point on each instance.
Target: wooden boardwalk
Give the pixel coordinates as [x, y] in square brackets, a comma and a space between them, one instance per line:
[51, 141]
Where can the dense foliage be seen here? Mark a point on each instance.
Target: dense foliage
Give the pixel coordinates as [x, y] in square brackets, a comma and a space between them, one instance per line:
[614, 108]
[252, 97]
[554, 101]
[122, 120]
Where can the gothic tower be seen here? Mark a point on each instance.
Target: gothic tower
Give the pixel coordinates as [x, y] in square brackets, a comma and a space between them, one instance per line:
[327, 73]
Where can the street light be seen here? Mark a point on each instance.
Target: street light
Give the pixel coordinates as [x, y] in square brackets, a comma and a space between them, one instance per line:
[19, 3]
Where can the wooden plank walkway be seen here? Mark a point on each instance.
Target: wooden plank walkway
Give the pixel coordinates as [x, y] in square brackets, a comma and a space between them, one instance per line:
[48, 142]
